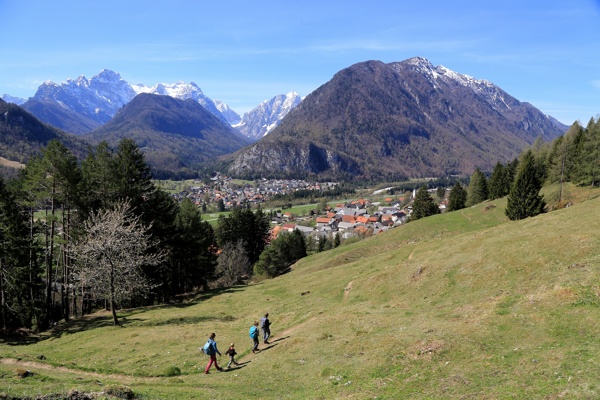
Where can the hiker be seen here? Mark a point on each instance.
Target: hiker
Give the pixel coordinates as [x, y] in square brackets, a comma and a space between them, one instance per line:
[231, 353]
[265, 324]
[212, 352]
[254, 334]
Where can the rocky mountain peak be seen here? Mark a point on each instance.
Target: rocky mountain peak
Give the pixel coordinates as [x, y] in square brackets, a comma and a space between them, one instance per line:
[259, 121]
[397, 120]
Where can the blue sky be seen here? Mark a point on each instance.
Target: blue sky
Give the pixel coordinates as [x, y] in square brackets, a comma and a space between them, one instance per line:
[242, 52]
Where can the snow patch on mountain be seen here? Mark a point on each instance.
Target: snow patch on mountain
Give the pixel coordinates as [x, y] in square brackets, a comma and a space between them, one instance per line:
[12, 99]
[262, 119]
[440, 75]
[102, 96]
[183, 91]
[231, 116]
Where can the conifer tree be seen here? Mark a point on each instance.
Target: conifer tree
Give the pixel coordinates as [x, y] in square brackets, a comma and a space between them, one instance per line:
[458, 197]
[589, 157]
[250, 227]
[423, 205]
[17, 307]
[478, 188]
[524, 199]
[499, 184]
[194, 259]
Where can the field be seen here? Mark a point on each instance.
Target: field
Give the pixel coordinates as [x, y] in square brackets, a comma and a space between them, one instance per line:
[463, 305]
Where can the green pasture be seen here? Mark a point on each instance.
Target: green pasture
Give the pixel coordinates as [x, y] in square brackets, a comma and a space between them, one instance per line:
[462, 305]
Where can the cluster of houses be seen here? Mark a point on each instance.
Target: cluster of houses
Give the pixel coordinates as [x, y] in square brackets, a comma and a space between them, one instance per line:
[231, 194]
[356, 218]
[347, 220]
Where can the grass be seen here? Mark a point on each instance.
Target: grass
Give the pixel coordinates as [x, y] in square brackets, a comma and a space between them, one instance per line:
[460, 305]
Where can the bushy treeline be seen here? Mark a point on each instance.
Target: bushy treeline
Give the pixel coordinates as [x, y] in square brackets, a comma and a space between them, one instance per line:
[55, 206]
[573, 157]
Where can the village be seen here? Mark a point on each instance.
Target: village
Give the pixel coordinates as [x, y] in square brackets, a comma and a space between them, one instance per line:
[355, 218]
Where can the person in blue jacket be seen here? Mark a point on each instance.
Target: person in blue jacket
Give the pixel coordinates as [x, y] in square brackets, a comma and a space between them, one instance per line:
[212, 352]
[254, 334]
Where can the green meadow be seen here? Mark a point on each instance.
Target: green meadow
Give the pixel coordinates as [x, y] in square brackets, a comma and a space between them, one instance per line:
[462, 305]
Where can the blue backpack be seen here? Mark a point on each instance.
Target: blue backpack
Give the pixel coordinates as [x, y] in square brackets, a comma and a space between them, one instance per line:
[207, 349]
[253, 331]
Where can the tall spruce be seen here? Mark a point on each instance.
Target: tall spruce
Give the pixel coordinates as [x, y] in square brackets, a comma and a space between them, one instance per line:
[281, 253]
[51, 183]
[17, 306]
[194, 257]
[423, 205]
[478, 188]
[589, 157]
[524, 199]
[458, 197]
[499, 183]
[252, 228]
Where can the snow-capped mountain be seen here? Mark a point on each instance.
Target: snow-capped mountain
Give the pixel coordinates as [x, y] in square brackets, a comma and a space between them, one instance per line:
[81, 105]
[231, 116]
[11, 99]
[183, 91]
[263, 118]
[97, 99]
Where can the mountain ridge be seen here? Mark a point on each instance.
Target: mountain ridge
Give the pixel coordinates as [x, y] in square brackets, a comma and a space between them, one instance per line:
[393, 121]
[81, 105]
[175, 135]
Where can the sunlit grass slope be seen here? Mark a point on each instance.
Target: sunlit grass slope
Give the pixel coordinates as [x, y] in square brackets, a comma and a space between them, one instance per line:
[460, 305]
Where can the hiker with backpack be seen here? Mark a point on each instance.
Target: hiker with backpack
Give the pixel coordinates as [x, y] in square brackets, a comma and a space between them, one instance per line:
[265, 324]
[210, 349]
[254, 334]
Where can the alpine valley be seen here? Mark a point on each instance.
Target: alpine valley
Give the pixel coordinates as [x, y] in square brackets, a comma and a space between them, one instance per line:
[371, 121]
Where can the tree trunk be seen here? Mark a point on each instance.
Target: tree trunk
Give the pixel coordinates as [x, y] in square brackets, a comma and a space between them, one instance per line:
[66, 305]
[113, 306]
[3, 296]
[32, 262]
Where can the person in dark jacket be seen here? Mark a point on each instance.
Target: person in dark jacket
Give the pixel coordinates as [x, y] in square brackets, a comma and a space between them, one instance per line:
[231, 353]
[265, 324]
[212, 352]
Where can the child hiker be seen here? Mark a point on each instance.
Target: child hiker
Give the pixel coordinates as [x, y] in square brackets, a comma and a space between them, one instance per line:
[231, 353]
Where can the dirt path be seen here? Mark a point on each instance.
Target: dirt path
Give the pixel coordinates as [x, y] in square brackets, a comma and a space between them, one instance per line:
[466, 216]
[37, 365]
[347, 290]
[294, 328]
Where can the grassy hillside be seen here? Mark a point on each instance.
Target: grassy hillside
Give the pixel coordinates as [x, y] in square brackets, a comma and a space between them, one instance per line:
[460, 305]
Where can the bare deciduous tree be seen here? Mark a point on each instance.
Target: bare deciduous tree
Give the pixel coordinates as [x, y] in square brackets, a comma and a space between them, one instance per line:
[112, 253]
[233, 263]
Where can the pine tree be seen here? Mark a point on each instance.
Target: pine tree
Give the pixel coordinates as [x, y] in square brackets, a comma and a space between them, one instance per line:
[423, 205]
[252, 228]
[99, 180]
[194, 259]
[17, 307]
[458, 197]
[589, 157]
[478, 189]
[524, 199]
[499, 184]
